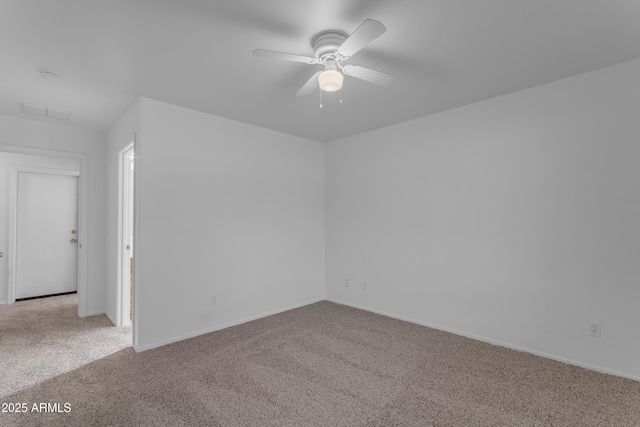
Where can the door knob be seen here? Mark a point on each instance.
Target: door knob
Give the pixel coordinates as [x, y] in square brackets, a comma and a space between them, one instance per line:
[73, 231]
[74, 240]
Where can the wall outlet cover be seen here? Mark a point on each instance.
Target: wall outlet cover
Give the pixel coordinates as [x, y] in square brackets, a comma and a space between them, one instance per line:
[595, 329]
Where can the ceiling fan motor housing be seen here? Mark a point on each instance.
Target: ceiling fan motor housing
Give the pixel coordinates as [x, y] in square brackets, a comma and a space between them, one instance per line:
[326, 43]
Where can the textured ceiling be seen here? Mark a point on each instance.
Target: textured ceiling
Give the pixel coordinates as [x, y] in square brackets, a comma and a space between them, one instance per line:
[198, 54]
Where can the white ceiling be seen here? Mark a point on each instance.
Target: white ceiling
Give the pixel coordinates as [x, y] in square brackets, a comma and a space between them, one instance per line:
[198, 54]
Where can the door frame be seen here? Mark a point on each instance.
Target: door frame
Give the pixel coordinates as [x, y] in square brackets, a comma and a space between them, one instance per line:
[123, 298]
[83, 214]
[12, 258]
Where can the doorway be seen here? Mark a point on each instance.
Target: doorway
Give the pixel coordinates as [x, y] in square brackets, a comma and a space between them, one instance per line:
[46, 233]
[125, 226]
[21, 165]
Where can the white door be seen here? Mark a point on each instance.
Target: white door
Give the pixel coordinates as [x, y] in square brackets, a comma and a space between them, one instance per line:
[127, 166]
[46, 234]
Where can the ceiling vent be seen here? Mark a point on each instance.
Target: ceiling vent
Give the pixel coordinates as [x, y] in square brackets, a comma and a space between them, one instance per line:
[38, 110]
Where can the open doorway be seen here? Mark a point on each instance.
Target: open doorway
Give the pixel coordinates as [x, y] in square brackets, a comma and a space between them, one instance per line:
[44, 195]
[125, 232]
[22, 165]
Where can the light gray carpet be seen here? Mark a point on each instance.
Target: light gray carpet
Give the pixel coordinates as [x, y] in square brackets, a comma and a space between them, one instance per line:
[331, 365]
[43, 338]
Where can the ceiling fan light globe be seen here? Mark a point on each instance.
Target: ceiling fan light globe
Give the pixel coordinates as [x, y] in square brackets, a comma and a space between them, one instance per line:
[330, 80]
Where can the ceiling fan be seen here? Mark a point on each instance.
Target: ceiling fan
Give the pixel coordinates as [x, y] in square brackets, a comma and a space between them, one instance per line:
[331, 49]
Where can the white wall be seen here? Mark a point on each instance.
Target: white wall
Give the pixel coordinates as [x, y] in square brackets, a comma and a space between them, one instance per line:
[224, 209]
[6, 161]
[515, 219]
[21, 135]
[120, 135]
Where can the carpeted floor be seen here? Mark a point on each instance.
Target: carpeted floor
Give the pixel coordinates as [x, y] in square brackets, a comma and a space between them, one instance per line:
[43, 338]
[330, 365]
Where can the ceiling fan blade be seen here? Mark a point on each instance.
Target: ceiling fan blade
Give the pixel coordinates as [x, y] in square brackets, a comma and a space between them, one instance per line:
[265, 53]
[309, 86]
[367, 32]
[372, 76]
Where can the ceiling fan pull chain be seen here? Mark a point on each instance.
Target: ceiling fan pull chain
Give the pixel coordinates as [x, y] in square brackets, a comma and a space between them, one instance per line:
[321, 98]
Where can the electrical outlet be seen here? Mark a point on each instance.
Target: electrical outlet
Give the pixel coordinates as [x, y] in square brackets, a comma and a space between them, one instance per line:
[595, 329]
[364, 286]
[346, 283]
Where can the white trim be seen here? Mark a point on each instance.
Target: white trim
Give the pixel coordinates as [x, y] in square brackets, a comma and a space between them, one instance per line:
[137, 194]
[492, 341]
[139, 348]
[83, 220]
[121, 297]
[95, 313]
[14, 171]
[110, 318]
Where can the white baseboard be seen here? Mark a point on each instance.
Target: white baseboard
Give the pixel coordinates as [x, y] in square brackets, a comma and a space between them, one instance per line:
[110, 318]
[492, 341]
[140, 348]
[94, 313]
